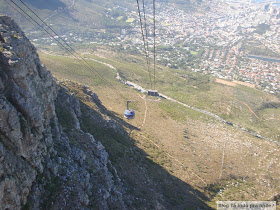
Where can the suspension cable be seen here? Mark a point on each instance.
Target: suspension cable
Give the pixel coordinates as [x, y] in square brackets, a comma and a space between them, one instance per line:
[146, 30]
[147, 41]
[144, 41]
[72, 51]
[154, 13]
[18, 11]
[71, 48]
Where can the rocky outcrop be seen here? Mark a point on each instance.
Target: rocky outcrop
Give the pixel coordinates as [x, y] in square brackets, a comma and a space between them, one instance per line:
[46, 159]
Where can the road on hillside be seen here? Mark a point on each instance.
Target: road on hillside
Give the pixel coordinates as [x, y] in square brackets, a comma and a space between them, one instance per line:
[57, 12]
[139, 88]
[143, 90]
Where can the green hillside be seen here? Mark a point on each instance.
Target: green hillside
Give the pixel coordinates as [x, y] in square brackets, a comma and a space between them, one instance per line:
[186, 143]
[50, 5]
[81, 16]
[177, 149]
[247, 107]
[65, 16]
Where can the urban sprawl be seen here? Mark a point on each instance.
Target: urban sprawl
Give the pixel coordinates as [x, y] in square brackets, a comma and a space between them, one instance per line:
[232, 40]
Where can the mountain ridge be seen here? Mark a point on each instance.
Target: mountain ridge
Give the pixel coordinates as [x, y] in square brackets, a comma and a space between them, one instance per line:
[78, 16]
[38, 158]
[51, 4]
[50, 150]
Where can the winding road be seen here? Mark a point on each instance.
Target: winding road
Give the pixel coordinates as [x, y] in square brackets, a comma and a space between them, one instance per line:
[57, 12]
[141, 89]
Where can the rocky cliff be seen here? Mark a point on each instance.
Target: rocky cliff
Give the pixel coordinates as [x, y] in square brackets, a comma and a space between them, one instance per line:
[46, 159]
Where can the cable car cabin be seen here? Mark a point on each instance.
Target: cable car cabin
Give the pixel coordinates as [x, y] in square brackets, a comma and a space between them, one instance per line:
[153, 93]
[129, 113]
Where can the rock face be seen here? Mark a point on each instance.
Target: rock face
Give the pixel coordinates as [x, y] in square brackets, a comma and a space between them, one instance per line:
[46, 160]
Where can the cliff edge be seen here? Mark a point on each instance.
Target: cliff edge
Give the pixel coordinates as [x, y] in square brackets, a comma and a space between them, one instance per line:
[46, 159]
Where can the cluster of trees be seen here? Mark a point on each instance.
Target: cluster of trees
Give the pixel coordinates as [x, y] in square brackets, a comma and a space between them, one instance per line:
[115, 18]
[270, 105]
[262, 28]
[181, 55]
[113, 23]
[262, 51]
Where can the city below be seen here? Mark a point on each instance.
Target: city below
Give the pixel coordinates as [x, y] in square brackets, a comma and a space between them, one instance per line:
[232, 40]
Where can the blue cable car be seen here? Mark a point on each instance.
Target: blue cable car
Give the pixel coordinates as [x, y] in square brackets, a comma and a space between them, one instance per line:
[129, 113]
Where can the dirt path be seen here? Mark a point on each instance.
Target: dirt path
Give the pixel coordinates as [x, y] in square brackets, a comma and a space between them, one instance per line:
[144, 98]
[56, 13]
[178, 161]
[146, 110]
[248, 108]
[223, 158]
[72, 4]
[225, 82]
[133, 85]
[273, 119]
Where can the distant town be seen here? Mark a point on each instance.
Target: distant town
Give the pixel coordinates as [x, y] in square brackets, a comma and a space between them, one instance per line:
[232, 40]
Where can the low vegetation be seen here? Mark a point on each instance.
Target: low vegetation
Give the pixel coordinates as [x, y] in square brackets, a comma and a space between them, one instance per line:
[177, 143]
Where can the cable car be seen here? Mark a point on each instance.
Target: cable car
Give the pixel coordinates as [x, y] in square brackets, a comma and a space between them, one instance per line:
[153, 93]
[129, 113]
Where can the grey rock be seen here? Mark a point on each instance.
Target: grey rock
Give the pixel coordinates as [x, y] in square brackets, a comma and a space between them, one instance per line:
[46, 162]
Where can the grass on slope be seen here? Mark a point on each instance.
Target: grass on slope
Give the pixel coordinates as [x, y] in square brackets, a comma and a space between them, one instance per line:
[72, 69]
[240, 105]
[231, 103]
[143, 171]
[144, 157]
[192, 138]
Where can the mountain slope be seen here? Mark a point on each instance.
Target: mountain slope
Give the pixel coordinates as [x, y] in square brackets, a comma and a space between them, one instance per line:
[80, 17]
[50, 151]
[50, 5]
[187, 144]
[43, 165]
[65, 16]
